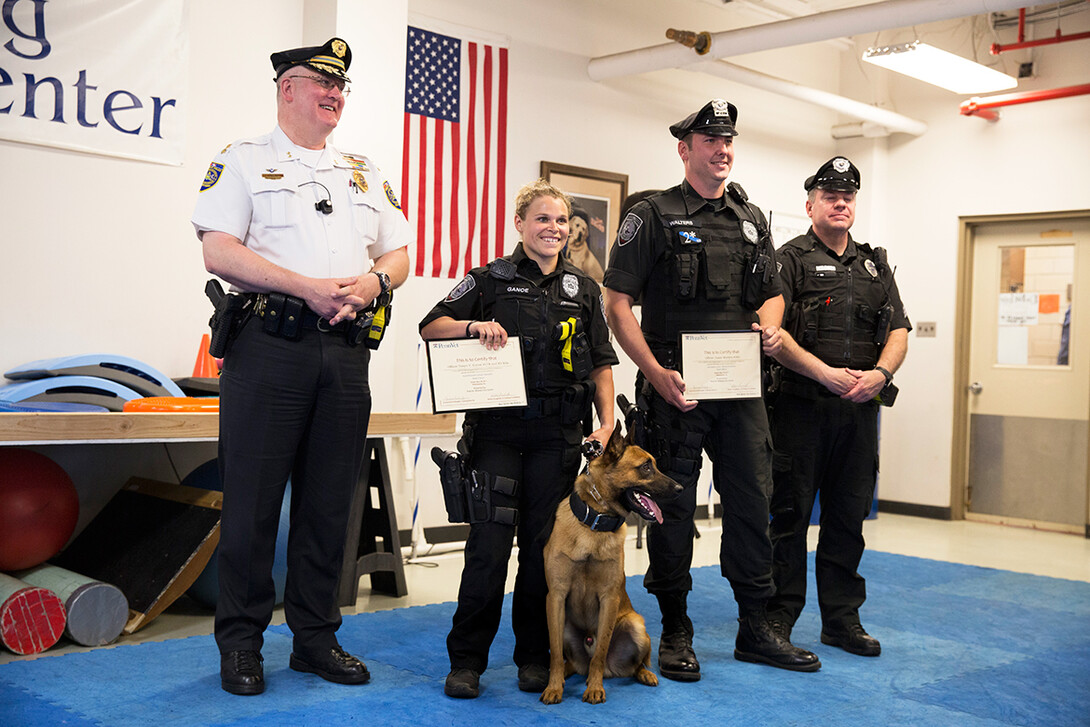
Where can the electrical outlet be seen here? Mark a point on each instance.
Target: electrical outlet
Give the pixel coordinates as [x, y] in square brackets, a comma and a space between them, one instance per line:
[925, 329]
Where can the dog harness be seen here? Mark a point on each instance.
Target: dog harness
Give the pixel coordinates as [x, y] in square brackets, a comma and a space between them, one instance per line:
[593, 519]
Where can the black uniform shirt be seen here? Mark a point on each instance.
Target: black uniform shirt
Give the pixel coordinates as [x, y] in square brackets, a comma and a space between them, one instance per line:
[531, 305]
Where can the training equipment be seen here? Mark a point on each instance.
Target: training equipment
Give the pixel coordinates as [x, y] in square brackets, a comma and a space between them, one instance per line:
[39, 508]
[31, 618]
[70, 389]
[128, 372]
[173, 403]
[205, 589]
[96, 611]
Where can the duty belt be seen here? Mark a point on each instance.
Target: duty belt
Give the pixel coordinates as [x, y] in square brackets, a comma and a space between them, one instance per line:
[309, 319]
[537, 407]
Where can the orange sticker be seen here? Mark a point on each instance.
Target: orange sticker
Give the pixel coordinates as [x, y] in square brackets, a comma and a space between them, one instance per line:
[1048, 303]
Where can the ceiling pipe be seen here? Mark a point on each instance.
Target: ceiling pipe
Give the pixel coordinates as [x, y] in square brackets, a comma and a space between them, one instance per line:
[796, 31]
[878, 122]
[982, 107]
[998, 48]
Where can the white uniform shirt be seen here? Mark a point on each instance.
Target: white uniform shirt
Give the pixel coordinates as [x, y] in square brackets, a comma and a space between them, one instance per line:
[261, 191]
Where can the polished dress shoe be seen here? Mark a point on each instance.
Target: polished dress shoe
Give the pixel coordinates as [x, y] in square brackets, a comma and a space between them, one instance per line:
[241, 672]
[677, 660]
[333, 665]
[852, 638]
[463, 684]
[757, 642]
[533, 678]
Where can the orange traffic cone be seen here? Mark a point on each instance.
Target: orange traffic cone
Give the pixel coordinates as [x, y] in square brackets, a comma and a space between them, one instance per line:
[205, 366]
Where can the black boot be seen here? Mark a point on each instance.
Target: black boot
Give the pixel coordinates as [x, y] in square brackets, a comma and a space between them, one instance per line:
[677, 660]
[758, 642]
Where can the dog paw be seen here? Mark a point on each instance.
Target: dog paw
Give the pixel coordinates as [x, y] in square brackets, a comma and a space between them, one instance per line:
[552, 695]
[594, 695]
[643, 676]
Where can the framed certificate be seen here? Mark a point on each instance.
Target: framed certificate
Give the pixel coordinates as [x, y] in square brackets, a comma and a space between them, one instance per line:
[721, 364]
[466, 376]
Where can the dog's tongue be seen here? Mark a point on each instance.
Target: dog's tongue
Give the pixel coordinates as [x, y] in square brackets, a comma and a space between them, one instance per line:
[651, 505]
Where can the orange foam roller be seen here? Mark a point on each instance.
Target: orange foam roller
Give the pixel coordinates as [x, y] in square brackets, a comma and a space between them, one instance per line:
[174, 403]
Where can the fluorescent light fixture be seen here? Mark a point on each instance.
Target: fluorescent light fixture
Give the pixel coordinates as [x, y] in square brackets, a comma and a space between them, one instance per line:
[939, 68]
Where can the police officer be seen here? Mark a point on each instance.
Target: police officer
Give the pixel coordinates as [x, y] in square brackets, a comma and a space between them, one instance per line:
[310, 236]
[701, 257]
[846, 335]
[529, 456]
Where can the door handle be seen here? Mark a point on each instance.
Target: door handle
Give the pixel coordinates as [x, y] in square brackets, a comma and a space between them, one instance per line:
[976, 387]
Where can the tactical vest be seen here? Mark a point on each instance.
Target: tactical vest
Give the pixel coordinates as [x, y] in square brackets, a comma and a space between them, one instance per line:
[698, 283]
[535, 314]
[836, 309]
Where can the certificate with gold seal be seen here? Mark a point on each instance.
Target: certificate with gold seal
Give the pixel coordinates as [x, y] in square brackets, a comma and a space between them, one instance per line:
[721, 365]
[467, 376]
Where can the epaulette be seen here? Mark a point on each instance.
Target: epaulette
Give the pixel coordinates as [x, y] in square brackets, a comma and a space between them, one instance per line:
[502, 269]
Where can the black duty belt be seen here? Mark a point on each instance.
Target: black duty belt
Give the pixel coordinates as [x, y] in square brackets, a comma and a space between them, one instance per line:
[308, 319]
[541, 407]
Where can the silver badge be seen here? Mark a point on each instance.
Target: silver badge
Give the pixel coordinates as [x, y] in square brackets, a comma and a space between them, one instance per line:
[841, 164]
[749, 230]
[570, 284]
[467, 284]
[720, 107]
[629, 227]
[869, 265]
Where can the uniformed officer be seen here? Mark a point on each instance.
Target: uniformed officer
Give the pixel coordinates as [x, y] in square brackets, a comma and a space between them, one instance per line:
[700, 255]
[846, 334]
[555, 309]
[311, 236]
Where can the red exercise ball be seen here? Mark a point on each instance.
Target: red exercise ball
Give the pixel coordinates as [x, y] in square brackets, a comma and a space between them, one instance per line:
[39, 508]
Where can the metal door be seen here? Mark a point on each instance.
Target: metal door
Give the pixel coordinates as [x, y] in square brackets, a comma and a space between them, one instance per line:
[1029, 373]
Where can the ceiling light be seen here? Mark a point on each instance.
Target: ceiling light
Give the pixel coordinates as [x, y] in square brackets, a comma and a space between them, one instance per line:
[939, 68]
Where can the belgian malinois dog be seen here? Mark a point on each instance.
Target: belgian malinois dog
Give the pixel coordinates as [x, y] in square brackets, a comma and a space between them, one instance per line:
[593, 629]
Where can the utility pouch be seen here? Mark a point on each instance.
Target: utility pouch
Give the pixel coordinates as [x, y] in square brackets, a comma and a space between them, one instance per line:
[274, 313]
[717, 267]
[881, 329]
[291, 323]
[575, 402]
[686, 267]
[755, 279]
[887, 395]
[452, 480]
[803, 318]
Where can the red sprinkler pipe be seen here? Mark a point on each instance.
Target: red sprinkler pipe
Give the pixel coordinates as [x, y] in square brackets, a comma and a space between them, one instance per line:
[981, 107]
[997, 48]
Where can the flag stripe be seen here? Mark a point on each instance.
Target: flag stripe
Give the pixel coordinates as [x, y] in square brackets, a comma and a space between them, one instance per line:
[501, 148]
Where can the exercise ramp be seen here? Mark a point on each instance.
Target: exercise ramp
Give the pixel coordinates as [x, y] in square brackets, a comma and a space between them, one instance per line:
[129, 372]
[70, 390]
[151, 540]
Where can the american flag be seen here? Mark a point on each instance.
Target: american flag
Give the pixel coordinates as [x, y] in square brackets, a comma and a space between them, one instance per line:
[455, 152]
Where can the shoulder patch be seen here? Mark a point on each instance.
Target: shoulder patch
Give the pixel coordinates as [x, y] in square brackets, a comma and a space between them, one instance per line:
[391, 196]
[215, 169]
[629, 227]
[467, 284]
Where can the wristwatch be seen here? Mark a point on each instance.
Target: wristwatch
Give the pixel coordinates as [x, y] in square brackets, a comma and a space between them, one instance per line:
[383, 280]
[885, 373]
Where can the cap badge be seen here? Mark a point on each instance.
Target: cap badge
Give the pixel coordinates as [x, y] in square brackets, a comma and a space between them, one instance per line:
[720, 107]
[570, 284]
[749, 230]
[841, 164]
[339, 48]
[869, 265]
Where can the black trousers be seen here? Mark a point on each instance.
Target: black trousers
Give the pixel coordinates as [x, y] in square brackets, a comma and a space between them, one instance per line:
[298, 409]
[543, 456]
[828, 446]
[735, 436]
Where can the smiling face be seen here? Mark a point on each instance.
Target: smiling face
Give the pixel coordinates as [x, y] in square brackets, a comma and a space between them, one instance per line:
[307, 112]
[831, 212]
[544, 230]
[707, 160]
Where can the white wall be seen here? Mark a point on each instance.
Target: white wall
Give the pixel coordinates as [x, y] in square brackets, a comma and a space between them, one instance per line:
[100, 254]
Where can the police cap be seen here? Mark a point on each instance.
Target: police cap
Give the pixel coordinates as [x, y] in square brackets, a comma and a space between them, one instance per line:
[332, 59]
[837, 174]
[716, 118]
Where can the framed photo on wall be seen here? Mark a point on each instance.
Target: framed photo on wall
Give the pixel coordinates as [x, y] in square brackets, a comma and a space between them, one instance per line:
[597, 198]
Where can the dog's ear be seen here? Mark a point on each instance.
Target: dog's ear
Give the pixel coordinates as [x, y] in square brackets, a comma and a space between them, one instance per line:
[616, 445]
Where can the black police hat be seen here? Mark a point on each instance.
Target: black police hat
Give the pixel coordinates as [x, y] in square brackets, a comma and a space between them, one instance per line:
[332, 59]
[715, 119]
[837, 174]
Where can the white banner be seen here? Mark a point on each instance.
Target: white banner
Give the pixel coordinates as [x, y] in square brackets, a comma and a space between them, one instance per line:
[100, 76]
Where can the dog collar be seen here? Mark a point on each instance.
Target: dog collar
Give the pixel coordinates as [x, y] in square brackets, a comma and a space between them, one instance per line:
[593, 519]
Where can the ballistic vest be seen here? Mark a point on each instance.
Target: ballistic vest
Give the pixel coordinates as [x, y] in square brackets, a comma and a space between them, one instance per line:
[697, 283]
[835, 308]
